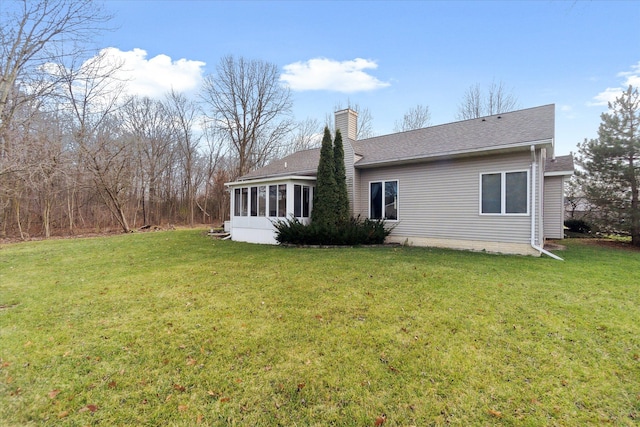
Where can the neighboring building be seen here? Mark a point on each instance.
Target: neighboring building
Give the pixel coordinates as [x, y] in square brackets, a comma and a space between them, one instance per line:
[490, 183]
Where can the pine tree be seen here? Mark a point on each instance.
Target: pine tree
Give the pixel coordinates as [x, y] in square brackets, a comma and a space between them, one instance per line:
[611, 162]
[342, 197]
[324, 198]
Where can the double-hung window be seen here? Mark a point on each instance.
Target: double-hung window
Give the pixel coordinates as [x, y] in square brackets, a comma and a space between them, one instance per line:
[504, 193]
[383, 200]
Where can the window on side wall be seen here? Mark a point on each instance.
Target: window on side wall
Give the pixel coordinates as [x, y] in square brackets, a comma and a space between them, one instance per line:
[383, 200]
[301, 197]
[504, 193]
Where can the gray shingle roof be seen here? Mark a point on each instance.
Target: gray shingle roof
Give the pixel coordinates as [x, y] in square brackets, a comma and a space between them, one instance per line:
[559, 165]
[500, 131]
[303, 162]
[468, 136]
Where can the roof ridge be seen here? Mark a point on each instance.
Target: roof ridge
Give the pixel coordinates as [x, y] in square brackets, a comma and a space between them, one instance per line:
[459, 121]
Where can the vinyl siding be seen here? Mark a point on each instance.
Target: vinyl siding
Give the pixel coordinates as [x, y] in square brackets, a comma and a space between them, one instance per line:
[352, 186]
[554, 207]
[441, 200]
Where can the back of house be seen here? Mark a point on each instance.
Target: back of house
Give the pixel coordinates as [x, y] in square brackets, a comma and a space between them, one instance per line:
[490, 183]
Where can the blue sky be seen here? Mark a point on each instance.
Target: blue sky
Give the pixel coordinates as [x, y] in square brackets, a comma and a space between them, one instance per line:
[391, 56]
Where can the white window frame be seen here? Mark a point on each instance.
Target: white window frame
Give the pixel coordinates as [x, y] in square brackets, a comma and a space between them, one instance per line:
[301, 205]
[383, 182]
[503, 193]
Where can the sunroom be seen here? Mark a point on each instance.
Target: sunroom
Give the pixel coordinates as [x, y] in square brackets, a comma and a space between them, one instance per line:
[258, 203]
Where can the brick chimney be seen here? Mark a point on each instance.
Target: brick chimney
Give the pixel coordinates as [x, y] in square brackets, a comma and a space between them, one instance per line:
[347, 122]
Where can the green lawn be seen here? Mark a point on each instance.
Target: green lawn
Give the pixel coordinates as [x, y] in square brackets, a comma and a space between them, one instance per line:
[173, 328]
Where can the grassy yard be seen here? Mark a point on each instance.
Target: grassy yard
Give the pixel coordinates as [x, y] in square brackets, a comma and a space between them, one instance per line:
[173, 328]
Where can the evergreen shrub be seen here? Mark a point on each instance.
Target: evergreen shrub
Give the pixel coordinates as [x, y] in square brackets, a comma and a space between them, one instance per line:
[349, 233]
[578, 226]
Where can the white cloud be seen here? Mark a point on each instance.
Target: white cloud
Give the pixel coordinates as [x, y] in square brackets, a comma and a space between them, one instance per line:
[632, 77]
[329, 74]
[610, 94]
[568, 111]
[156, 76]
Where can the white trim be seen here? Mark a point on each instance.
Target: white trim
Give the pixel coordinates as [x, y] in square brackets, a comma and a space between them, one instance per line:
[457, 153]
[256, 181]
[310, 207]
[503, 193]
[559, 173]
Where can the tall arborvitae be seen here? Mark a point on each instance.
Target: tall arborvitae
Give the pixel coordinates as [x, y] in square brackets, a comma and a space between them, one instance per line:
[324, 198]
[342, 197]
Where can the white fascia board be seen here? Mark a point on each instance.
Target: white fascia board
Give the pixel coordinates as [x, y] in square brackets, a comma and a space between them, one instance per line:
[559, 173]
[250, 182]
[459, 153]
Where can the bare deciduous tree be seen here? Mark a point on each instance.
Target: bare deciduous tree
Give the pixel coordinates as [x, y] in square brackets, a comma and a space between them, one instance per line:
[49, 162]
[252, 109]
[32, 34]
[476, 103]
[183, 114]
[91, 97]
[416, 118]
[307, 134]
[147, 123]
[213, 157]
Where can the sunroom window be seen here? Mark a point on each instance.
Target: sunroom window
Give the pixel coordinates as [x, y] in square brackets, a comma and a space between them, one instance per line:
[273, 200]
[301, 197]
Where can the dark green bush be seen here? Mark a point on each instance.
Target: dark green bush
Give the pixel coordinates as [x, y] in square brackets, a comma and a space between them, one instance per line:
[578, 226]
[353, 232]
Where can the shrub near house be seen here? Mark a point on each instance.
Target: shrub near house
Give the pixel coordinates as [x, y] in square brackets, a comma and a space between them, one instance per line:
[330, 222]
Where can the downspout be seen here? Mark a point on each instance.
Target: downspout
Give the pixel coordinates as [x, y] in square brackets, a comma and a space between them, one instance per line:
[533, 208]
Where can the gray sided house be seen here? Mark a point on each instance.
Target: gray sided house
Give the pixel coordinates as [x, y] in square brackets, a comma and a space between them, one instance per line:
[491, 183]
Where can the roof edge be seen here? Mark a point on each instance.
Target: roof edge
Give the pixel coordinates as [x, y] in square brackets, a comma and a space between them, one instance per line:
[457, 153]
[271, 179]
[560, 173]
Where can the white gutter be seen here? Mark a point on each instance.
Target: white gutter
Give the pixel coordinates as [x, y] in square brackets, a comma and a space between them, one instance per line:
[253, 181]
[533, 208]
[504, 148]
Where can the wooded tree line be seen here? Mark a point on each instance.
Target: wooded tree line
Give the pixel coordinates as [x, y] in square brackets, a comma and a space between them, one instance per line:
[78, 153]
